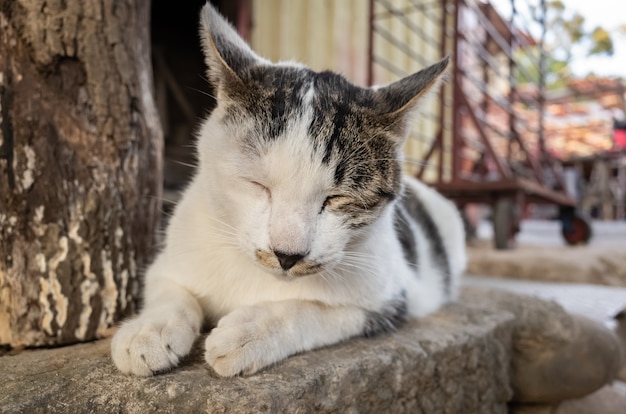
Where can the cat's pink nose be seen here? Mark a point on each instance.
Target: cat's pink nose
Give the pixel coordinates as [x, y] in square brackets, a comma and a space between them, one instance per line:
[286, 260]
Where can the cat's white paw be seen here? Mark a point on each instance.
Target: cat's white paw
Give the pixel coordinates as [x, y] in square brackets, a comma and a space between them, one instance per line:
[149, 344]
[245, 341]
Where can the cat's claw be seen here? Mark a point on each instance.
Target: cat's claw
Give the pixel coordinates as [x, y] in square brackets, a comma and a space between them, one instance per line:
[148, 345]
[243, 343]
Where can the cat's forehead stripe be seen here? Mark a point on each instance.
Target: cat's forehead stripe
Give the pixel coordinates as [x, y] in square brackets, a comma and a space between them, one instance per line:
[290, 91]
[340, 125]
[337, 109]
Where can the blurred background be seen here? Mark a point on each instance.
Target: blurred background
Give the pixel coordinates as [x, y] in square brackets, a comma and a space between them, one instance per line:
[529, 127]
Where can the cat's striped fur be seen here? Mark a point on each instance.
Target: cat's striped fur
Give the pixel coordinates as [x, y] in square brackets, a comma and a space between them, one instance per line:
[299, 229]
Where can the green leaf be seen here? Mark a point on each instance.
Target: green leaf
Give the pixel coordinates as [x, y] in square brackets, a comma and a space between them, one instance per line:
[602, 43]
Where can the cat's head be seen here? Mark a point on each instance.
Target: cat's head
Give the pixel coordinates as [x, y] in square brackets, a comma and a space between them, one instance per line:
[299, 163]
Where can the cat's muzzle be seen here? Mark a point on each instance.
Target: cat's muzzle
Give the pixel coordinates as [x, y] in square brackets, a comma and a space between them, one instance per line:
[289, 266]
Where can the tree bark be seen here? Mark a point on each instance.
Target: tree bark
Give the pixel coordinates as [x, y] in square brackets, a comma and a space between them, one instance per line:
[80, 166]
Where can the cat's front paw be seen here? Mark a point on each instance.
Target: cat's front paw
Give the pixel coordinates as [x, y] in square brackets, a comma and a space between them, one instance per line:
[244, 342]
[149, 344]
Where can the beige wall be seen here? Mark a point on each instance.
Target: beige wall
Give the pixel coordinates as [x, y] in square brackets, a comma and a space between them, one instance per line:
[323, 34]
[334, 34]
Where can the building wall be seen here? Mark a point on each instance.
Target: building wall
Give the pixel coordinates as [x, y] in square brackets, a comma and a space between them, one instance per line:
[323, 34]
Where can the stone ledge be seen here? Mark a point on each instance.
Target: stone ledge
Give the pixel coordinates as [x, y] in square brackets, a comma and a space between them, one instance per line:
[602, 265]
[455, 361]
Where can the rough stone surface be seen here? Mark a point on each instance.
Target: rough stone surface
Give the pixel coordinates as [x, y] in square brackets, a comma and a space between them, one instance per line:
[490, 349]
[556, 355]
[455, 361]
[610, 399]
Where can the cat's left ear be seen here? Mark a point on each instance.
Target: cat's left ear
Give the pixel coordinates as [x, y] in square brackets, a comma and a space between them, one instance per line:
[226, 54]
[398, 101]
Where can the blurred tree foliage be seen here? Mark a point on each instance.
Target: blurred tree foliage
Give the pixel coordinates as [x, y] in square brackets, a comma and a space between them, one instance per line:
[566, 33]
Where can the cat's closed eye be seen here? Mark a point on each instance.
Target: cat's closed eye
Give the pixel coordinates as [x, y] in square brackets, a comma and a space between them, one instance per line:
[346, 204]
[333, 201]
[260, 188]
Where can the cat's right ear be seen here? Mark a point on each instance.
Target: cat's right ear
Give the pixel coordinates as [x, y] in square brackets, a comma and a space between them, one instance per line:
[226, 54]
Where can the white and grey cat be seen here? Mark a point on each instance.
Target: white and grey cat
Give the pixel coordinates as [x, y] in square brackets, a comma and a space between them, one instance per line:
[298, 229]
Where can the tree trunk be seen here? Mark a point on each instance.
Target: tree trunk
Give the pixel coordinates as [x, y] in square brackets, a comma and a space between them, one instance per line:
[80, 166]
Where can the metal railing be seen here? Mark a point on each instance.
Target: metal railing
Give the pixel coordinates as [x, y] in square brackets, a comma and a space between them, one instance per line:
[487, 124]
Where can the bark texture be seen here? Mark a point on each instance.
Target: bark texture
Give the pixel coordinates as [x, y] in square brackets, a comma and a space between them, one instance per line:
[80, 166]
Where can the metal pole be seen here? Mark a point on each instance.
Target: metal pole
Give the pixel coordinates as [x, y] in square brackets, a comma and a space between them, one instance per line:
[370, 46]
[512, 84]
[443, 96]
[457, 142]
[542, 80]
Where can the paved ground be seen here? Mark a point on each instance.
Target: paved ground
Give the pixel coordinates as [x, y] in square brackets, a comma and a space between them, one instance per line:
[601, 303]
[548, 233]
[585, 279]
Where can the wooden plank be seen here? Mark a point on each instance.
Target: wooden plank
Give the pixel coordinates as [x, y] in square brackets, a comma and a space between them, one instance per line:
[485, 190]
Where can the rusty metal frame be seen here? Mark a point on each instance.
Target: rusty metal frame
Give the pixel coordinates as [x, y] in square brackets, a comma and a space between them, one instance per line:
[525, 171]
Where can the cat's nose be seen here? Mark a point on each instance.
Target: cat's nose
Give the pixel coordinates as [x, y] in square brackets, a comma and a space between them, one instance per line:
[287, 260]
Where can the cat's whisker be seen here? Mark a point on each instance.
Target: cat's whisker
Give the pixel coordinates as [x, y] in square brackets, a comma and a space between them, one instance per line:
[208, 249]
[202, 92]
[186, 164]
[360, 260]
[360, 267]
[209, 233]
[336, 277]
[361, 255]
[231, 233]
[224, 232]
[162, 199]
[323, 275]
[204, 78]
[177, 253]
[223, 223]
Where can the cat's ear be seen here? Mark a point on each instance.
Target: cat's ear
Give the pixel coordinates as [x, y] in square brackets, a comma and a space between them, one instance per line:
[226, 54]
[398, 101]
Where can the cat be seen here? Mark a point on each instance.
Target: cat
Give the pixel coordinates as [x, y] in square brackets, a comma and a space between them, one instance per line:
[298, 229]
